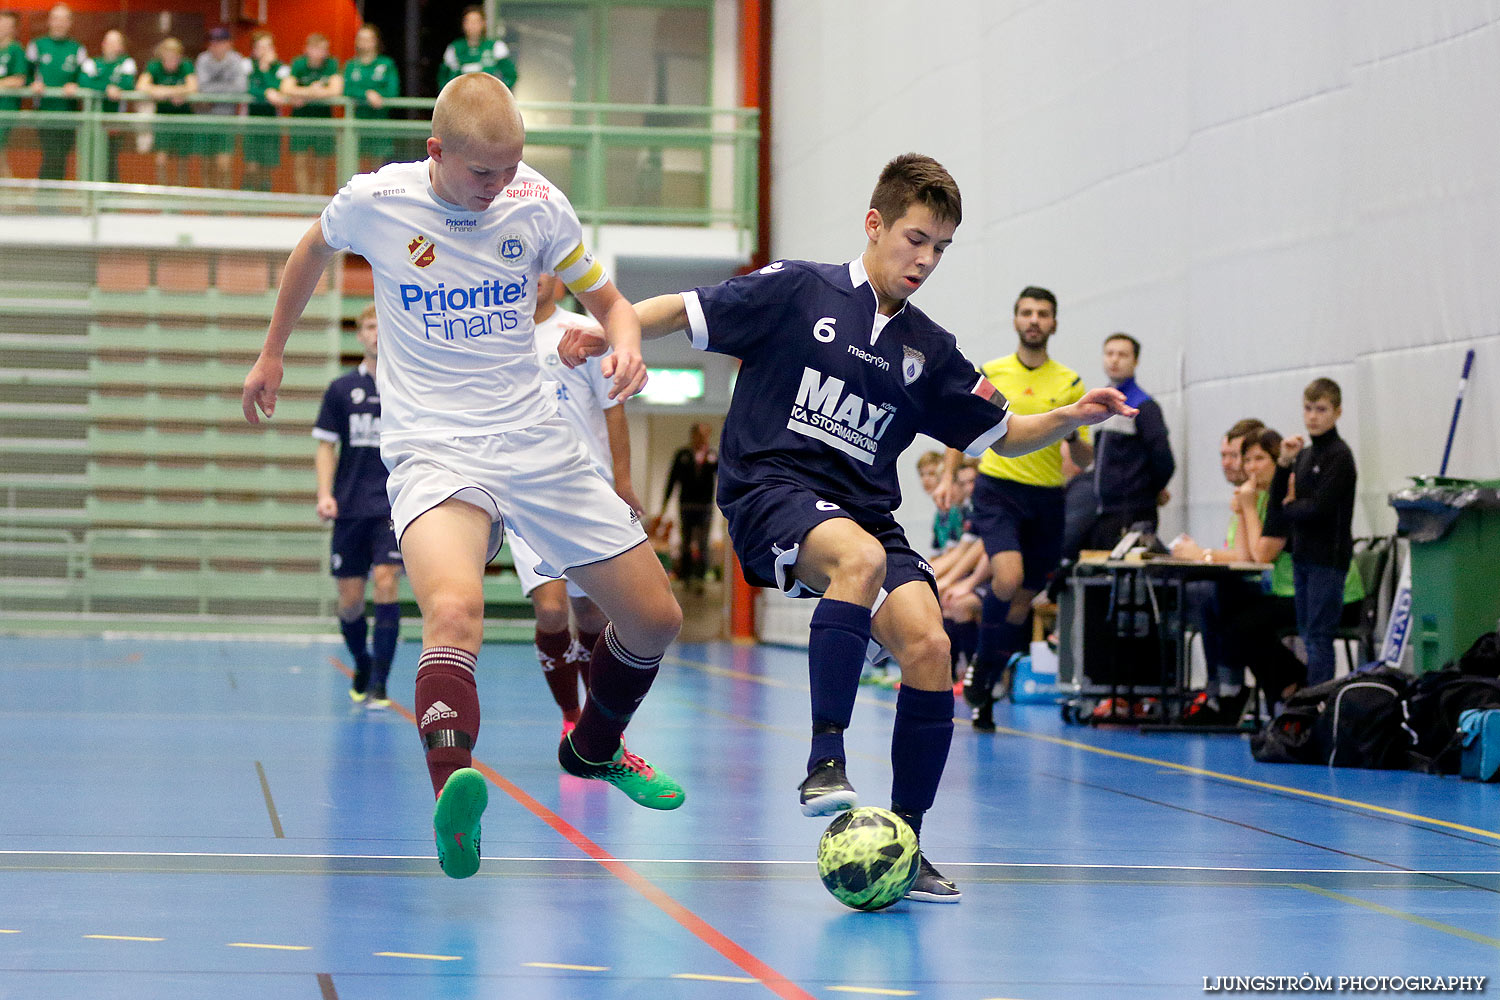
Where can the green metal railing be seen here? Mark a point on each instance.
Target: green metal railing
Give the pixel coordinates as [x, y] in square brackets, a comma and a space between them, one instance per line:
[618, 163]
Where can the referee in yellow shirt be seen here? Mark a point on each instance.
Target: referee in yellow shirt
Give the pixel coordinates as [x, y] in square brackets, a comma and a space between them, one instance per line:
[1018, 502]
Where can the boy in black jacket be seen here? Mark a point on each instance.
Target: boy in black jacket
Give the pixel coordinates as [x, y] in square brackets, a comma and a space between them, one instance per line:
[1312, 495]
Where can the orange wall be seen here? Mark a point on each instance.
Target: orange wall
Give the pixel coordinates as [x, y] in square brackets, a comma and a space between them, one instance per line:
[291, 21]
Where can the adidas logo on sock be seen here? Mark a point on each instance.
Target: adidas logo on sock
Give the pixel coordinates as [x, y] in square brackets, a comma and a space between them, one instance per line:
[548, 663]
[436, 712]
[577, 654]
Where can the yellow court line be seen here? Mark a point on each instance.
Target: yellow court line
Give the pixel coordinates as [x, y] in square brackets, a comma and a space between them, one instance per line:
[570, 968]
[703, 977]
[270, 947]
[1202, 772]
[877, 991]
[1135, 758]
[120, 937]
[1410, 918]
[428, 958]
[9, 932]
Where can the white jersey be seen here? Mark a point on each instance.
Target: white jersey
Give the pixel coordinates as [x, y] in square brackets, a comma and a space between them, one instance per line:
[455, 292]
[582, 393]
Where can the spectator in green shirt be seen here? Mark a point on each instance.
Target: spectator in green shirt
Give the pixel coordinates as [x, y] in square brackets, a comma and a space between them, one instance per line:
[474, 53]
[170, 81]
[369, 78]
[314, 80]
[14, 73]
[262, 150]
[112, 72]
[56, 62]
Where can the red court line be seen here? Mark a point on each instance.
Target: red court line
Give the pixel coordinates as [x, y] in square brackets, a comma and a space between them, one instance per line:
[690, 921]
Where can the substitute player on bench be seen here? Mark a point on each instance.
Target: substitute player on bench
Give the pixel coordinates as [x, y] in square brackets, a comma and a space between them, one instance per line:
[456, 243]
[839, 375]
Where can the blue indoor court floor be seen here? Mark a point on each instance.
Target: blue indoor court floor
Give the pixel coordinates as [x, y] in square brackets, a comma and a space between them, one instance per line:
[211, 818]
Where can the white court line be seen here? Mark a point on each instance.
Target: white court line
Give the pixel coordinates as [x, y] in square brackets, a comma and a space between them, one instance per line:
[756, 861]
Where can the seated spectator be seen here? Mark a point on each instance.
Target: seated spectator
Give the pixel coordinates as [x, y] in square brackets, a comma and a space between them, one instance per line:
[1312, 502]
[474, 53]
[14, 71]
[369, 78]
[220, 70]
[1257, 622]
[1132, 456]
[262, 149]
[1206, 599]
[113, 72]
[169, 80]
[963, 573]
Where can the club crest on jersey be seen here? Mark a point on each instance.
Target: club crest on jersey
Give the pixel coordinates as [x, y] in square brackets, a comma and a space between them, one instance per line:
[912, 361]
[422, 250]
[511, 248]
[356, 395]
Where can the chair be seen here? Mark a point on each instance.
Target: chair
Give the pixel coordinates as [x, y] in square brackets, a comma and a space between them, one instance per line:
[1370, 557]
[182, 273]
[122, 273]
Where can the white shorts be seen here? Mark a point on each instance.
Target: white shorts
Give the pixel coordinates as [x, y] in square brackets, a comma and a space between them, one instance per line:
[526, 562]
[535, 481]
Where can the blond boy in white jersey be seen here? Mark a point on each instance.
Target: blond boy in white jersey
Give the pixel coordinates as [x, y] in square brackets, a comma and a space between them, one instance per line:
[456, 243]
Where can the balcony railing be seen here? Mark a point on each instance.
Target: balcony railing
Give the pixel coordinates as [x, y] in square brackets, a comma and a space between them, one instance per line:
[638, 164]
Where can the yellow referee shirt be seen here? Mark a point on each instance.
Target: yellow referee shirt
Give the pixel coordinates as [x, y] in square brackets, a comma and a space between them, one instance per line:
[1029, 390]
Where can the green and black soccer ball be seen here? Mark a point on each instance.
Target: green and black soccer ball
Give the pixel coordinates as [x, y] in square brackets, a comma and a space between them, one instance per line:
[868, 858]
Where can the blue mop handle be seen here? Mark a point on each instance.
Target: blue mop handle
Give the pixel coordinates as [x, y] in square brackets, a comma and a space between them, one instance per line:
[1463, 383]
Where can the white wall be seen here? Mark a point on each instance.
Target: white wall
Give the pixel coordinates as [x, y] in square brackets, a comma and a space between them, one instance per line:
[1262, 191]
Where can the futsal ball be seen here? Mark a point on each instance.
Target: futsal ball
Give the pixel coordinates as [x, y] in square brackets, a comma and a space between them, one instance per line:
[868, 858]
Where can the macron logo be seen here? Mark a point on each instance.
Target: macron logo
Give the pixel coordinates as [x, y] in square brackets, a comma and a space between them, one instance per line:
[437, 712]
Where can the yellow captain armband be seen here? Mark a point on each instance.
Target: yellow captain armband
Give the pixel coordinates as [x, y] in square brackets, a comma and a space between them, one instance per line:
[580, 271]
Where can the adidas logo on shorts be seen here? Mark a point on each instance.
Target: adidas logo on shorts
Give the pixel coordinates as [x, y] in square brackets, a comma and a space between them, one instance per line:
[437, 712]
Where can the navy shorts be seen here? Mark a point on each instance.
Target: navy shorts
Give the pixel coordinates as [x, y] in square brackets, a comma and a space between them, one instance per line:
[362, 542]
[1016, 517]
[767, 526]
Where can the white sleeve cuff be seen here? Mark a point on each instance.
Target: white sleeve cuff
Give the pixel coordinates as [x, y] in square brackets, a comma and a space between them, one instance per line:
[978, 446]
[323, 435]
[697, 322]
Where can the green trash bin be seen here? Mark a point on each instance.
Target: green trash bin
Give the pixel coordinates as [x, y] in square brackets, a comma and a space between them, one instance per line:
[1454, 527]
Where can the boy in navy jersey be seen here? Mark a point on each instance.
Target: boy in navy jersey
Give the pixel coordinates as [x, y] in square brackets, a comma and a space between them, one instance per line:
[839, 375]
[353, 497]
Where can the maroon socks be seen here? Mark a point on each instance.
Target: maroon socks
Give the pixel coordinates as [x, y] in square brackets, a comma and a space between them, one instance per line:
[559, 669]
[618, 680]
[447, 710]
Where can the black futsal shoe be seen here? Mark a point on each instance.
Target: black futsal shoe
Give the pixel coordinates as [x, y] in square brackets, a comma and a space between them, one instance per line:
[932, 887]
[826, 789]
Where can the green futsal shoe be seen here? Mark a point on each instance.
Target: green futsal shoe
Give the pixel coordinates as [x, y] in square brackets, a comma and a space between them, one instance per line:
[456, 822]
[629, 773]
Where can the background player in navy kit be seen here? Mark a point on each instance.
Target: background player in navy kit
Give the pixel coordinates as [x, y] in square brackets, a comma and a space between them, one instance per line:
[474, 444]
[839, 375]
[352, 496]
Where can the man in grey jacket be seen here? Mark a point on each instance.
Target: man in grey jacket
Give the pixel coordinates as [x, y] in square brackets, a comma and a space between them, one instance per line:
[220, 70]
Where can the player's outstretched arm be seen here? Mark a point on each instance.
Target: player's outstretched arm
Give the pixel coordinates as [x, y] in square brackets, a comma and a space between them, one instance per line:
[662, 315]
[1027, 432]
[298, 282]
[624, 366]
[657, 317]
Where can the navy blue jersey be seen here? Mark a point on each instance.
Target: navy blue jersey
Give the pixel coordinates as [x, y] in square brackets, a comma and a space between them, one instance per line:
[830, 393]
[350, 418]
